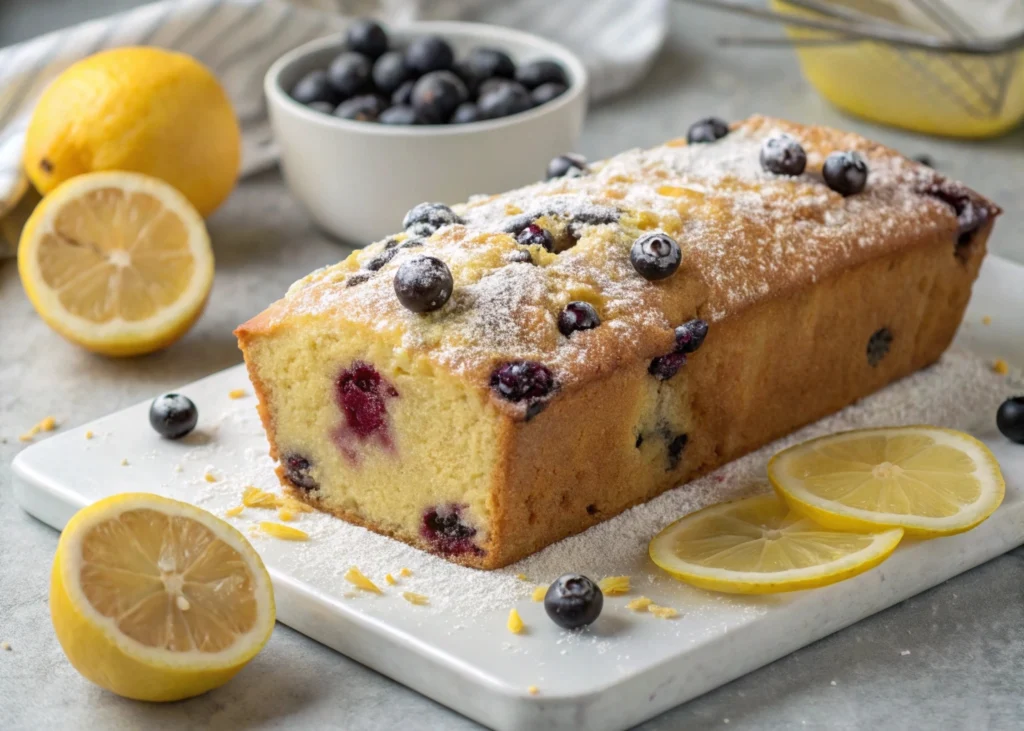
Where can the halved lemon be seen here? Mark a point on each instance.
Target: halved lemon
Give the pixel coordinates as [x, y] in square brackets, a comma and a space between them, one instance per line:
[158, 600]
[117, 262]
[929, 481]
[759, 546]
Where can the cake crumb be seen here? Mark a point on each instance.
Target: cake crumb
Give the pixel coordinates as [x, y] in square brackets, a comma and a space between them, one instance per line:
[5, 646]
[124, 462]
[640, 604]
[1001, 367]
[404, 572]
[614, 585]
[285, 515]
[358, 579]
[904, 653]
[182, 603]
[232, 512]
[284, 532]
[539, 592]
[390, 579]
[236, 393]
[515, 622]
[986, 320]
[209, 477]
[178, 468]
[522, 577]
[832, 683]
[533, 690]
[47, 424]
[662, 612]
[89, 434]
[414, 598]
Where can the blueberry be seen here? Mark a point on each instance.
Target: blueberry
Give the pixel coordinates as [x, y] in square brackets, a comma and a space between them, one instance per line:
[377, 263]
[389, 72]
[535, 235]
[970, 215]
[665, 366]
[506, 100]
[520, 256]
[690, 336]
[366, 37]
[173, 415]
[399, 115]
[1010, 419]
[361, 393]
[322, 107]
[878, 346]
[358, 278]
[708, 129]
[423, 284]
[296, 469]
[349, 73]
[481, 64]
[486, 87]
[447, 533]
[675, 449]
[365, 108]
[429, 53]
[577, 316]
[403, 94]
[534, 73]
[845, 172]
[655, 256]
[573, 601]
[434, 215]
[411, 244]
[520, 380]
[314, 87]
[466, 113]
[421, 230]
[546, 92]
[569, 165]
[783, 155]
[436, 96]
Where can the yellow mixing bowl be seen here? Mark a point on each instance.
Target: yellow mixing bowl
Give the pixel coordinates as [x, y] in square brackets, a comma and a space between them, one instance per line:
[939, 93]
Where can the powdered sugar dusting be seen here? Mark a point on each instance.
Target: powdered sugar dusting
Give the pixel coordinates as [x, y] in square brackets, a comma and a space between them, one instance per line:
[746, 235]
[959, 392]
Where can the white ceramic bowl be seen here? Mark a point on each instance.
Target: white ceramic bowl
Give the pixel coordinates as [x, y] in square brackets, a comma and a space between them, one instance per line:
[358, 179]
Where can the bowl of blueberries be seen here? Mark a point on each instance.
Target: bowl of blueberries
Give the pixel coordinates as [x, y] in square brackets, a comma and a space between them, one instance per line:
[373, 121]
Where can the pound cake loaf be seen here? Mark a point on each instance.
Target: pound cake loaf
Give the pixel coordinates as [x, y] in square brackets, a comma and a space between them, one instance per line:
[510, 371]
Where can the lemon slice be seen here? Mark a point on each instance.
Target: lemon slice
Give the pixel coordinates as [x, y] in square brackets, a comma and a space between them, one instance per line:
[117, 262]
[158, 600]
[929, 481]
[759, 546]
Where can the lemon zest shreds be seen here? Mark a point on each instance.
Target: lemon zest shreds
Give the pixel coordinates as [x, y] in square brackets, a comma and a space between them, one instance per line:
[662, 612]
[640, 604]
[515, 622]
[284, 532]
[414, 598]
[539, 593]
[390, 580]
[358, 579]
[614, 585]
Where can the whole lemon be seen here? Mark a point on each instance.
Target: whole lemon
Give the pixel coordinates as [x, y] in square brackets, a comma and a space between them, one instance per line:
[145, 110]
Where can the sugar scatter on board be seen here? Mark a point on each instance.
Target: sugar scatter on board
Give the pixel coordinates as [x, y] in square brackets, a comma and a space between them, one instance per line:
[960, 392]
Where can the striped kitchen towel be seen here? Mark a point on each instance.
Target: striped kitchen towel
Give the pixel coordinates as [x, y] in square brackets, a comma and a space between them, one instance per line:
[239, 39]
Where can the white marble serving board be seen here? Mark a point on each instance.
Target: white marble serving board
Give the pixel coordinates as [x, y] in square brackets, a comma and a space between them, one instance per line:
[625, 668]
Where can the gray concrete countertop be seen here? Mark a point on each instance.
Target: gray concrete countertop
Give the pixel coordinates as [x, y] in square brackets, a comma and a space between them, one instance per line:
[949, 658]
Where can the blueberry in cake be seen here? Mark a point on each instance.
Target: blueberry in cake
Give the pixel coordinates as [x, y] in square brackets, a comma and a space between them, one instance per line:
[509, 371]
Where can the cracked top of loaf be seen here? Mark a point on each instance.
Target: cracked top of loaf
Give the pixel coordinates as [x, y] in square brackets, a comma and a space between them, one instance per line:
[746, 236]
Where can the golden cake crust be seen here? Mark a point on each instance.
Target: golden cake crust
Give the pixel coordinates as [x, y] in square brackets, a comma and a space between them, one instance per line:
[747, 236]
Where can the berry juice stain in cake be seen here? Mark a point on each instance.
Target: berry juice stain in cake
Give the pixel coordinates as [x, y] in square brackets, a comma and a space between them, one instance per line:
[362, 395]
[447, 533]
